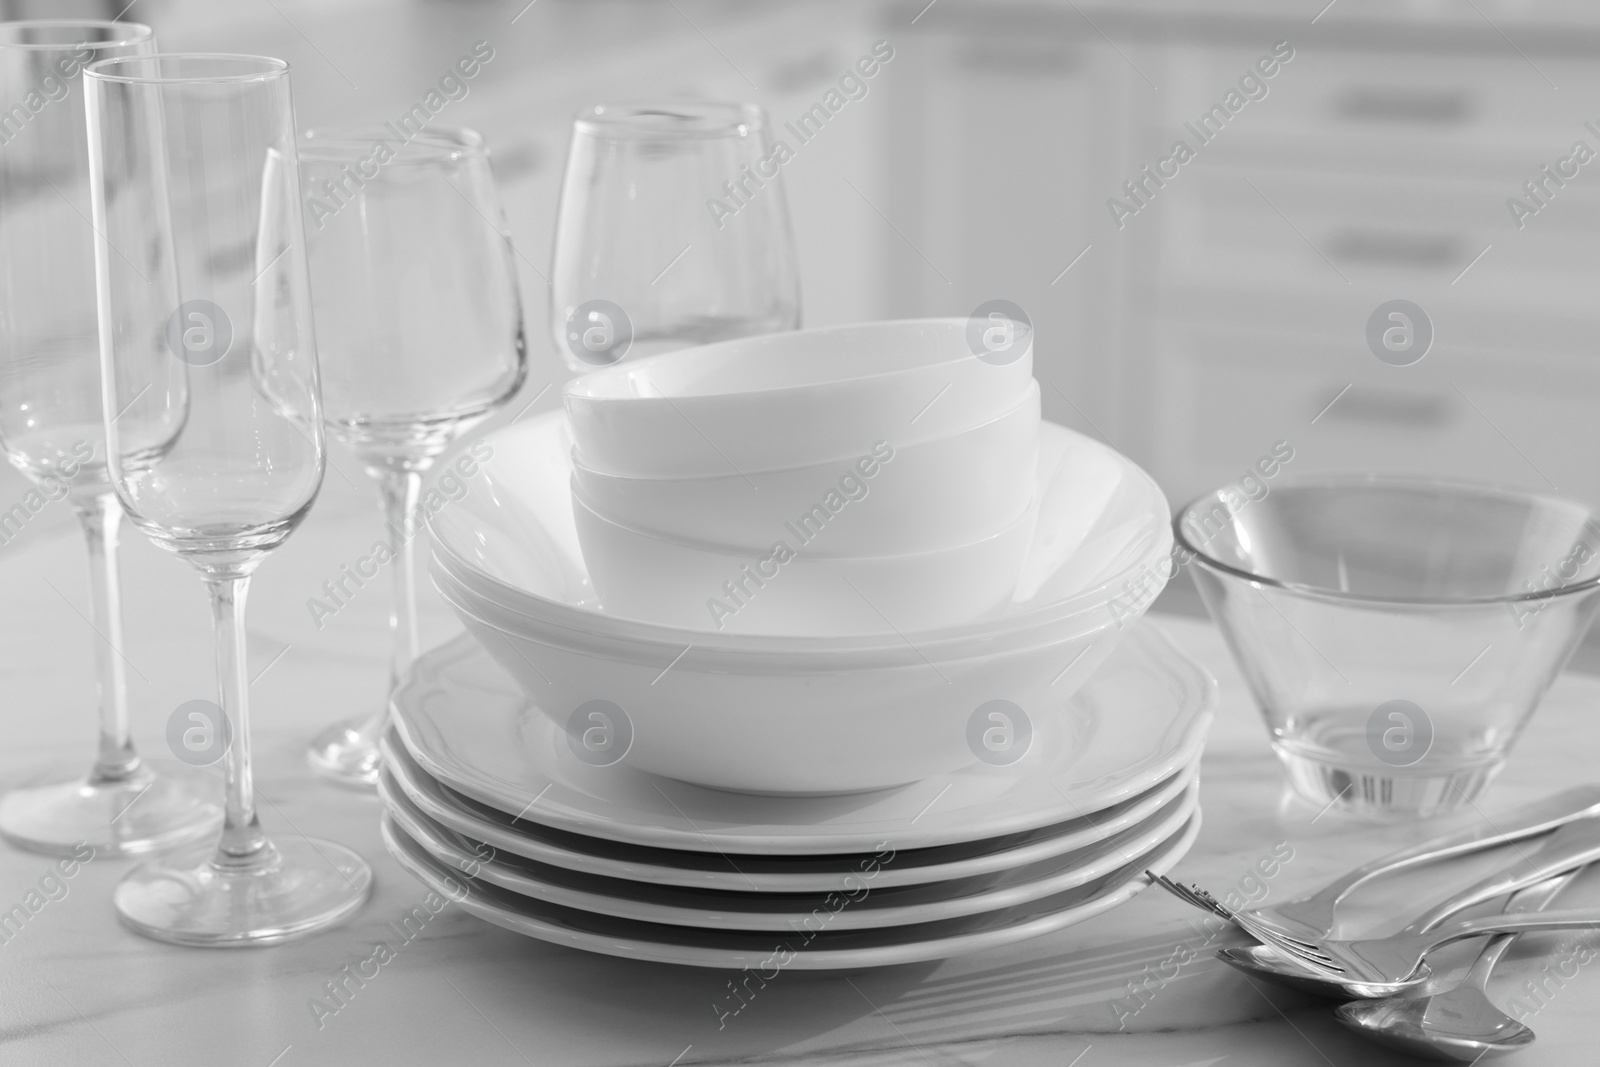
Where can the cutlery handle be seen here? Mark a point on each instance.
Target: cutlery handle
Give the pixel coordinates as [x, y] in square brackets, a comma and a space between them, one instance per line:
[1540, 817]
[1569, 919]
[1574, 845]
[1532, 899]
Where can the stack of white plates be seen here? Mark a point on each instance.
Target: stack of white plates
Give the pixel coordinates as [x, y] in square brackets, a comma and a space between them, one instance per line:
[489, 803]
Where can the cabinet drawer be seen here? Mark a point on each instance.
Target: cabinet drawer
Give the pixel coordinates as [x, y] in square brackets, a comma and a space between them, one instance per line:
[1427, 100]
[1283, 229]
[1499, 417]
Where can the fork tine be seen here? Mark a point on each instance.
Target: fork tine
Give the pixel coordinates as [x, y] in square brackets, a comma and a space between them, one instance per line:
[1308, 955]
[1195, 897]
[1170, 886]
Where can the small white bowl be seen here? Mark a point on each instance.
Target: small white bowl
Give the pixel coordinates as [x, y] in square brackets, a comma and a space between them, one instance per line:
[788, 589]
[781, 714]
[784, 400]
[893, 500]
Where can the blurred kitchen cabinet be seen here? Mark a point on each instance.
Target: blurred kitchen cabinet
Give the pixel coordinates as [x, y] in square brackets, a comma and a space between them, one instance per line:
[1006, 134]
[1364, 177]
[1232, 307]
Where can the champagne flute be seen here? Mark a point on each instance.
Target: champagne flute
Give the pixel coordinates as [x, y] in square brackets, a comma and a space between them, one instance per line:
[212, 410]
[420, 333]
[50, 424]
[672, 230]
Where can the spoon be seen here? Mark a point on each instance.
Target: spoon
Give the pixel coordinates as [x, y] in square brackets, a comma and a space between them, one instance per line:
[1460, 1023]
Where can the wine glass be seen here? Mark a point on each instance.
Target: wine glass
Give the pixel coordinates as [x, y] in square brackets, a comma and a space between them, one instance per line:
[672, 230]
[50, 425]
[214, 425]
[420, 335]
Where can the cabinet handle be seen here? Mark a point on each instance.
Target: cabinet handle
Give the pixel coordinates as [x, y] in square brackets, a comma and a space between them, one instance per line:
[1443, 107]
[1395, 248]
[1008, 57]
[1411, 410]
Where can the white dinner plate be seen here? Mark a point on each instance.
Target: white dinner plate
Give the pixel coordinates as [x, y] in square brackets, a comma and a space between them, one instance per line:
[872, 904]
[738, 872]
[816, 946]
[1140, 718]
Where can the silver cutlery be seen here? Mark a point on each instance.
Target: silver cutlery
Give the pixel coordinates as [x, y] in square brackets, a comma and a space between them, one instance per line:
[1379, 963]
[1267, 962]
[1459, 1023]
[1312, 918]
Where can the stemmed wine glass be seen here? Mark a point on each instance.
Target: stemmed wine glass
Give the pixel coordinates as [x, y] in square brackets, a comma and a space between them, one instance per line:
[420, 334]
[672, 231]
[214, 425]
[50, 424]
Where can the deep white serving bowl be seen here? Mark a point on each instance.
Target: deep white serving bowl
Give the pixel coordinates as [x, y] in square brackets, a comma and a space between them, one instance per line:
[783, 400]
[782, 714]
[925, 497]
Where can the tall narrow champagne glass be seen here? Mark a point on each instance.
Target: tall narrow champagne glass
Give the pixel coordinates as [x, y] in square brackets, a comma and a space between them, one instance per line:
[213, 421]
[420, 337]
[50, 425]
[672, 231]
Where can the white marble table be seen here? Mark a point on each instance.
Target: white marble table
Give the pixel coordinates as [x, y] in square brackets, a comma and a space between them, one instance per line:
[77, 988]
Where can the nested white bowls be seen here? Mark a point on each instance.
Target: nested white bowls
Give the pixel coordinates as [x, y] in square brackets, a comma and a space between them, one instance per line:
[788, 589]
[783, 714]
[785, 400]
[895, 498]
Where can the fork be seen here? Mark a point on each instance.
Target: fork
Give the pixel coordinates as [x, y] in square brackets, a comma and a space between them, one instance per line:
[1312, 918]
[1389, 965]
[1369, 960]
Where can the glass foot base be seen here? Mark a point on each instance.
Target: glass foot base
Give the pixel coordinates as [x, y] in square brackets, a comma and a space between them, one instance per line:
[146, 812]
[1386, 792]
[299, 887]
[347, 753]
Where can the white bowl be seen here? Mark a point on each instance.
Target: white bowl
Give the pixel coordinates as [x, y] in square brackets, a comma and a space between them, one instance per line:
[792, 399]
[916, 498]
[820, 714]
[787, 589]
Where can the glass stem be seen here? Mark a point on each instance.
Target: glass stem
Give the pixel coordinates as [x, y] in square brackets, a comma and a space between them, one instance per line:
[101, 515]
[242, 838]
[400, 486]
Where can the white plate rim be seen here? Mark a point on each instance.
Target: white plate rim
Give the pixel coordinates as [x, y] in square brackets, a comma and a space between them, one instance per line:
[678, 831]
[470, 824]
[1141, 839]
[826, 960]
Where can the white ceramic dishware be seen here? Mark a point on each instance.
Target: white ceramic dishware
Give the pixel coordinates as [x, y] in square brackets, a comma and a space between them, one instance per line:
[765, 873]
[892, 499]
[1136, 723]
[783, 400]
[816, 947]
[764, 712]
[872, 905]
[785, 588]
